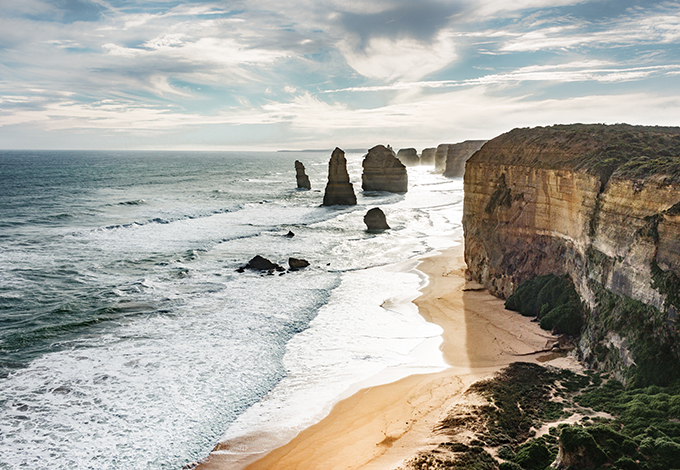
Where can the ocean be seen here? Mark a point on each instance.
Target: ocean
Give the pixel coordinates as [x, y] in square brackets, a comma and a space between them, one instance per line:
[129, 341]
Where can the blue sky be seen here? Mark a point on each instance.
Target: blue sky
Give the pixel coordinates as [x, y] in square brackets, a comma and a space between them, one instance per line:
[261, 74]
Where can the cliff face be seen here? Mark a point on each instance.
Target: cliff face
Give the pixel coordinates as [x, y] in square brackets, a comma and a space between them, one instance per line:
[600, 203]
[457, 155]
[383, 171]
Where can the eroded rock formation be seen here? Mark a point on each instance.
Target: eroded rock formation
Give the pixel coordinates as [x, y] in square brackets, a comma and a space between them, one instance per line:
[375, 219]
[409, 157]
[301, 176]
[458, 154]
[450, 158]
[297, 263]
[339, 191]
[383, 171]
[427, 156]
[601, 204]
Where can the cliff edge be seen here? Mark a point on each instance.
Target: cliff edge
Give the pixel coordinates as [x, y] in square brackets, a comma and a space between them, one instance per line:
[600, 204]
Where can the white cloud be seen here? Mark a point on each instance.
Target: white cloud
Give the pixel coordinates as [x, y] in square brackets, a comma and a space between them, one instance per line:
[403, 58]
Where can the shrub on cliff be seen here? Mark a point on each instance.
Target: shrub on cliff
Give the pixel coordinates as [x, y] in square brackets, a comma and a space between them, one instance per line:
[551, 298]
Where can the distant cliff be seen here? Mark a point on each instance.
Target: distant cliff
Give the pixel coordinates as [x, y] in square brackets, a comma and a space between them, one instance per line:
[601, 204]
[450, 159]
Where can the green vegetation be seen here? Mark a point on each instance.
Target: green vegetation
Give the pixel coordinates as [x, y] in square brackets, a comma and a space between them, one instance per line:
[553, 300]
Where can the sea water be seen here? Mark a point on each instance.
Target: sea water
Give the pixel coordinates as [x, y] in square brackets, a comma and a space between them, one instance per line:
[129, 341]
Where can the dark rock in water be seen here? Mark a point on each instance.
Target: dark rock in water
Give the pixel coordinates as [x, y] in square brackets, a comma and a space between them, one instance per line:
[427, 156]
[296, 263]
[301, 176]
[383, 171]
[290, 234]
[409, 157]
[261, 264]
[339, 191]
[458, 154]
[375, 219]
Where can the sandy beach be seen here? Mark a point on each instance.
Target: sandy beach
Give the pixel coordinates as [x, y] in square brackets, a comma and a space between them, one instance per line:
[381, 427]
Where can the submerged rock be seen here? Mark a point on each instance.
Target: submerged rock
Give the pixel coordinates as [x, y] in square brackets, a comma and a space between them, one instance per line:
[427, 156]
[409, 157]
[375, 219]
[258, 263]
[296, 263]
[383, 171]
[301, 176]
[339, 191]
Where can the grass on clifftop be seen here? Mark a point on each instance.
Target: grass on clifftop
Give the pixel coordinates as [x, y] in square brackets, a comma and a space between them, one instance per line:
[615, 428]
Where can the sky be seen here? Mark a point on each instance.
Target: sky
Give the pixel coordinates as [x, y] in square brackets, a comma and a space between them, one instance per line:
[316, 74]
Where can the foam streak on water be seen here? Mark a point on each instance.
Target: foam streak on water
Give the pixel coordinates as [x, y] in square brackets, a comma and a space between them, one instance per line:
[127, 339]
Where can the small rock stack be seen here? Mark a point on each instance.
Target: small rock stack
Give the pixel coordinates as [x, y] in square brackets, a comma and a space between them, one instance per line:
[301, 176]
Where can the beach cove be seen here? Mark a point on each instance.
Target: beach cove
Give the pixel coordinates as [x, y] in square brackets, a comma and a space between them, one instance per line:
[383, 426]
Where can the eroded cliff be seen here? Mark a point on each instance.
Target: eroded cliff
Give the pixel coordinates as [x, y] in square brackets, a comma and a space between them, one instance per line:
[601, 204]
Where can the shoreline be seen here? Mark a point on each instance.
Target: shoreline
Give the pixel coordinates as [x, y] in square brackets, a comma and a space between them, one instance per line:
[381, 426]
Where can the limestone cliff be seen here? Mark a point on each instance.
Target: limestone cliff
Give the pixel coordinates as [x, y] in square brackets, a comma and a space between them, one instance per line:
[383, 171]
[339, 191]
[409, 157]
[600, 203]
[427, 156]
[457, 155]
[301, 176]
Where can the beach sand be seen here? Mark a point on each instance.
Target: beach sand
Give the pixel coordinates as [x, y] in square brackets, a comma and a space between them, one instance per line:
[380, 427]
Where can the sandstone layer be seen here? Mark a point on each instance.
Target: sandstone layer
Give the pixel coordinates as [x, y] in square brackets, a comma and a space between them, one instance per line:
[339, 191]
[600, 203]
[427, 156]
[301, 176]
[409, 157]
[383, 171]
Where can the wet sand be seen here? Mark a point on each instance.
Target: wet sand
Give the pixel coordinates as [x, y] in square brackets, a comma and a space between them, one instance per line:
[380, 427]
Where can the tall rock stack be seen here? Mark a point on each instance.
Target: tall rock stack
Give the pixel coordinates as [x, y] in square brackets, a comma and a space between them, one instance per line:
[458, 154]
[409, 157]
[302, 178]
[427, 156]
[339, 191]
[440, 157]
[383, 171]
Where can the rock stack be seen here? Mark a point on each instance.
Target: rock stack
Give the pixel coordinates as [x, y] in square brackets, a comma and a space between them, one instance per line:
[302, 178]
[375, 220]
[427, 156]
[409, 157]
[339, 191]
[383, 171]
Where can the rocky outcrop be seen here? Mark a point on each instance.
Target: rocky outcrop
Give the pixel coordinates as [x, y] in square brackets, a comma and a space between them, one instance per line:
[339, 191]
[297, 263]
[383, 171]
[601, 204]
[375, 219]
[427, 156]
[458, 154]
[259, 263]
[409, 157]
[301, 176]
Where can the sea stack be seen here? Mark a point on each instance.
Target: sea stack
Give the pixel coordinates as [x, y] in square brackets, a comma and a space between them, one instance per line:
[302, 178]
[383, 171]
[409, 157]
[375, 220]
[457, 155]
[339, 191]
[427, 156]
